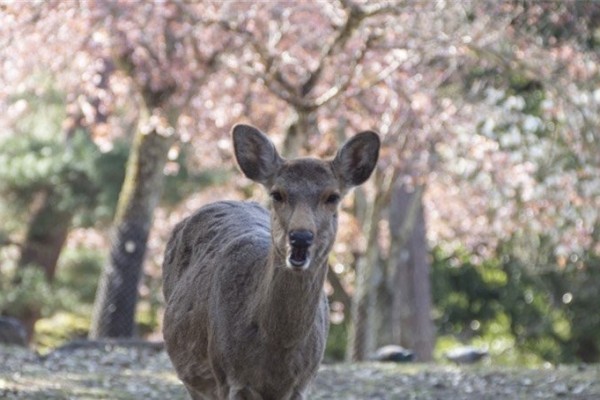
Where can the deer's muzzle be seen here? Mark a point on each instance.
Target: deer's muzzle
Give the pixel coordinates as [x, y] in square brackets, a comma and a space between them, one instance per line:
[299, 248]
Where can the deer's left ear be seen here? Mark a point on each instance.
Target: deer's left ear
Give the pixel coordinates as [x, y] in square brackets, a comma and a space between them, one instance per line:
[357, 158]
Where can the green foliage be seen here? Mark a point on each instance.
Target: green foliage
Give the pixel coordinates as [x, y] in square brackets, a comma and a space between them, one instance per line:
[79, 177]
[146, 320]
[30, 165]
[576, 294]
[77, 277]
[466, 294]
[75, 287]
[556, 23]
[336, 342]
[37, 159]
[45, 106]
[512, 304]
[64, 304]
[184, 182]
[59, 328]
[106, 170]
[150, 304]
[26, 289]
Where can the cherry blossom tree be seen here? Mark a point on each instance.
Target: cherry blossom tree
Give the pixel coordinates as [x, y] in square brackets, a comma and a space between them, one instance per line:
[487, 111]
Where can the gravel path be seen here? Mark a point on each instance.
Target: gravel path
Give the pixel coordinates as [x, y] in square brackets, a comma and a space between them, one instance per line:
[145, 373]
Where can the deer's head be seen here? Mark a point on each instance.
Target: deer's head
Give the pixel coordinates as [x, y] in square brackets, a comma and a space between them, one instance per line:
[305, 192]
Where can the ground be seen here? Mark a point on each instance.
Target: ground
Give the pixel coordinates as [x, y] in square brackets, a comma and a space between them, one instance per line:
[145, 373]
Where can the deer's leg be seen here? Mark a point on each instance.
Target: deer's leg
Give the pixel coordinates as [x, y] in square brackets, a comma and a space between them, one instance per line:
[226, 390]
[298, 394]
[196, 395]
[243, 393]
[200, 383]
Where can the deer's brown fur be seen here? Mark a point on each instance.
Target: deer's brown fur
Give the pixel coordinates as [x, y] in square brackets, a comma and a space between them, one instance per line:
[246, 315]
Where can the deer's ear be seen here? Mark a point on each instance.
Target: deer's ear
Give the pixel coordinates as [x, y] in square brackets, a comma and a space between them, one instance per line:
[356, 159]
[255, 154]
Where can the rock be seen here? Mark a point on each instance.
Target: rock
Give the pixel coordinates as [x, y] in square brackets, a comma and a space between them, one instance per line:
[561, 389]
[466, 355]
[393, 353]
[12, 332]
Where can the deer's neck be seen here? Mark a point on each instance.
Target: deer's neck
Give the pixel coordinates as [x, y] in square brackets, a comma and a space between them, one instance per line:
[289, 301]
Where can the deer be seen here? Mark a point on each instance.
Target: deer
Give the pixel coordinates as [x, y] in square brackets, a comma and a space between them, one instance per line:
[246, 315]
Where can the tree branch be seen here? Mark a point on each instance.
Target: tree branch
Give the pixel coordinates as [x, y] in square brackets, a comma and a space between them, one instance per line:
[339, 292]
[345, 83]
[355, 16]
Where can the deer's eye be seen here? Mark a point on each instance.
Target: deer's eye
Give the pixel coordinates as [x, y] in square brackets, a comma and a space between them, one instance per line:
[276, 196]
[332, 199]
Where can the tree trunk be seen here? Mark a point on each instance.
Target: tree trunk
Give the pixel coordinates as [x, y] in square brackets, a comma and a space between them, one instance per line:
[410, 321]
[46, 235]
[302, 127]
[361, 338]
[114, 308]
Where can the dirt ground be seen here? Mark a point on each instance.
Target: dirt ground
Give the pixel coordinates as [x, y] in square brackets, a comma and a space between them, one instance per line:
[145, 373]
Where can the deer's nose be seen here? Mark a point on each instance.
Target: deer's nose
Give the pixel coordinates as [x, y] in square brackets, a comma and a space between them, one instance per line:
[301, 238]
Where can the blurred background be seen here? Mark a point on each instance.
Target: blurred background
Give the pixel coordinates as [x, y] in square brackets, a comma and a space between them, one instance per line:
[479, 227]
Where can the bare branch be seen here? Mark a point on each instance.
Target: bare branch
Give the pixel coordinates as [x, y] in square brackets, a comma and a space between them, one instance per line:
[355, 17]
[273, 78]
[343, 85]
[276, 81]
[387, 7]
[339, 292]
[382, 76]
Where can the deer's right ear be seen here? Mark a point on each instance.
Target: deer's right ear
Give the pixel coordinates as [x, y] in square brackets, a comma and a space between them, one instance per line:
[255, 154]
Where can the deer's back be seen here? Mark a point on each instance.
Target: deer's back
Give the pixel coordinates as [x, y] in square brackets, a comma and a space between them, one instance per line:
[213, 238]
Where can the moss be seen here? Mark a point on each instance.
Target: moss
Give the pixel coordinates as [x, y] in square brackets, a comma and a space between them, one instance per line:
[59, 328]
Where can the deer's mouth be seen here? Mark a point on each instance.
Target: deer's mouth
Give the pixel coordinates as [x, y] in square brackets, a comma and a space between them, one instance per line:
[299, 243]
[298, 257]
